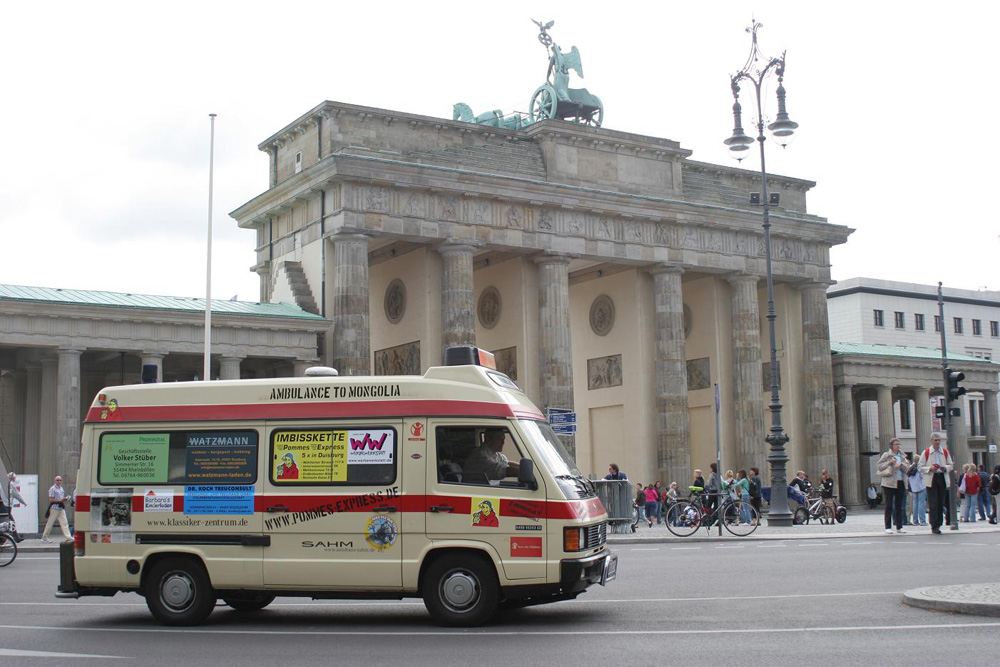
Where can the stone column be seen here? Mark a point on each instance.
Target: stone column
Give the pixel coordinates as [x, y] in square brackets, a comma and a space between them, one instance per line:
[886, 417]
[229, 368]
[958, 443]
[68, 416]
[152, 359]
[555, 353]
[349, 312]
[922, 417]
[458, 307]
[748, 393]
[673, 451]
[47, 431]
[848, 451]
[992, 424]
[299, 367]
[817, 373]
[32, 418]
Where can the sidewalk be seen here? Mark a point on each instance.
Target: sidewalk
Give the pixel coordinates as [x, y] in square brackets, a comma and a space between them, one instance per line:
[860, 523]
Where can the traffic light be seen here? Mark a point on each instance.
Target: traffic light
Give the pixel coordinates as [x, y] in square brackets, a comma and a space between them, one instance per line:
[954, 389]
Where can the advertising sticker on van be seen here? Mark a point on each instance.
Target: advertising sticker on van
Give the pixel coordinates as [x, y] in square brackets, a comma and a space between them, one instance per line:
[484, 512]
[111, 515]
[134, 457]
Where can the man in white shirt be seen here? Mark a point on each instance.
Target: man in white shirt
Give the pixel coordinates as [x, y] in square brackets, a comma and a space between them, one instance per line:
[57, 510]
[935, 465]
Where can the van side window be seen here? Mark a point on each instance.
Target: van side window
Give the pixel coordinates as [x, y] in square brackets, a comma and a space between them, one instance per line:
[344, 456]
[177, 457]
[478, 455]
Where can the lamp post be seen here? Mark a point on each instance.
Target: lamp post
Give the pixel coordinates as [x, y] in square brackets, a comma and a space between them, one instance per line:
[756, 70]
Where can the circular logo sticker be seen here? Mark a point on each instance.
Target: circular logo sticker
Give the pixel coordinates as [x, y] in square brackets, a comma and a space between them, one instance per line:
[380, 532]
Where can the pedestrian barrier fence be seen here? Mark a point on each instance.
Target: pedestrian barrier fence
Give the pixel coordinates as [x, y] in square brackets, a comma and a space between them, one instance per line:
[618, 496]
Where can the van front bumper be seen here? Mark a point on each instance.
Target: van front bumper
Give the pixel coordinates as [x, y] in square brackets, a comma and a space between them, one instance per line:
[581, 573]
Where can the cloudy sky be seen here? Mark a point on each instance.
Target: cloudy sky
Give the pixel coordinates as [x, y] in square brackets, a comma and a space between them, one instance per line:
[104, 180]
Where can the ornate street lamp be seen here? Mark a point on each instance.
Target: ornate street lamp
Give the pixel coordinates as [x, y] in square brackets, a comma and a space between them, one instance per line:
[782, 129]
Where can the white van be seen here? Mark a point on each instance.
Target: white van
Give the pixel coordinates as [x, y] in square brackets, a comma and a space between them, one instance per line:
[451, 487]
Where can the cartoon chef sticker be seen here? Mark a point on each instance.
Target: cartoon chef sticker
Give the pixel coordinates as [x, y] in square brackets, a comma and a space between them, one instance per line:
[484, 513]
[112, 412]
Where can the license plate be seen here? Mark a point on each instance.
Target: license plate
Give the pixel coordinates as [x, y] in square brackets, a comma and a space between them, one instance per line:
[610, 569]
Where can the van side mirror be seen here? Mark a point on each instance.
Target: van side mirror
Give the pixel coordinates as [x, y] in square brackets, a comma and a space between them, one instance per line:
[526, 474]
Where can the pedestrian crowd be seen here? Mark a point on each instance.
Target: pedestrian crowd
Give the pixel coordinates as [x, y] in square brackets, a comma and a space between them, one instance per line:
[915, 490]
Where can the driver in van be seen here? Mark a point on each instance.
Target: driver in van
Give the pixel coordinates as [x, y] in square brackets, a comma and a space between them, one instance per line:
[488, 459]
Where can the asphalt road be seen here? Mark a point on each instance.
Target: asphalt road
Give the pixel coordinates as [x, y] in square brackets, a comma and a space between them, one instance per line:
[828, 602]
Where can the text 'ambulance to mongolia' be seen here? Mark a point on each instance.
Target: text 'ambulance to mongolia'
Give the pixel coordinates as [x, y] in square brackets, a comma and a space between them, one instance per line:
[451, 487]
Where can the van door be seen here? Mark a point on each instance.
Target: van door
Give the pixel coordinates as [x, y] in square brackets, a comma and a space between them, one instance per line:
[472, 496]
[332, 506]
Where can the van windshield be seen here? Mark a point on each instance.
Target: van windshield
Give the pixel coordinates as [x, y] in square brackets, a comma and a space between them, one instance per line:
[549, 448]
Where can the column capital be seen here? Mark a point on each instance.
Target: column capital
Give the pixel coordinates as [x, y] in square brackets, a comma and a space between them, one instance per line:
[349, 234]
[816, 284]
[452, 246]
[554, 258]
[670, 269]
[742, 277]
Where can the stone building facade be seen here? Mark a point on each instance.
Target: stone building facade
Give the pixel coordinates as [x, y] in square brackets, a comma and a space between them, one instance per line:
[60, 347]
[610, 272]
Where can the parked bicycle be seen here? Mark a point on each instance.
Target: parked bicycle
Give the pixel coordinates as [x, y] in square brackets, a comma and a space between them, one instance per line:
[8, 545]
[685, 517]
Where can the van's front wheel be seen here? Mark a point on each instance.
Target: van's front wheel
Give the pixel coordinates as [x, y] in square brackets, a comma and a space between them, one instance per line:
[461, 590]
[178, 592]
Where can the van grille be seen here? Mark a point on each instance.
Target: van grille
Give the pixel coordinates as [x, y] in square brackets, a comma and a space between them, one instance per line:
[595, 536]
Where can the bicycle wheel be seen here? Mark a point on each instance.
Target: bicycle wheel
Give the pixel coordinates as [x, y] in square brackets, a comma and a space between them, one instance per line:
[8, 549]
[683, 519]
[800, 516]
[740, 518]
[826, 516]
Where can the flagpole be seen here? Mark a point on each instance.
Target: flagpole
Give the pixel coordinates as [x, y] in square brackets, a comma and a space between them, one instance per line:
[207, 373]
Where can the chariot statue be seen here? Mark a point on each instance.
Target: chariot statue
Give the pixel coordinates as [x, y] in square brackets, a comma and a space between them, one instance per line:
[554, 98]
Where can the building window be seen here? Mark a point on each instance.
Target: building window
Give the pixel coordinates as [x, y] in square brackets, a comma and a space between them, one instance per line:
[937, 323]
[994, 328]
[879, 318]
[918, 321]
[958, 324]
[298, 162]
[905, 418]
[977, 417]
[900, 320]
[977, 327]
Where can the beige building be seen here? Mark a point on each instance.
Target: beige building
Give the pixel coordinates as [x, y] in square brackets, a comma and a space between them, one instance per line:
[610, 272]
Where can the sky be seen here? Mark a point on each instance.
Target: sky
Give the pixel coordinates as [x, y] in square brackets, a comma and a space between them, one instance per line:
[104, 180]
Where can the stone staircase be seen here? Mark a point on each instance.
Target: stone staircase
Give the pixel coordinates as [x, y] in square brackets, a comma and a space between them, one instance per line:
[299, 286]
[520, 158]
[705, 187]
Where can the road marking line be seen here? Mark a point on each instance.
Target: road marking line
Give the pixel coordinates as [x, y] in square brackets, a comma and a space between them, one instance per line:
[683, 548]
[771, 546]
[814, 544]
[733, 547]
[16, 653]
[645, 549]
[497, 633]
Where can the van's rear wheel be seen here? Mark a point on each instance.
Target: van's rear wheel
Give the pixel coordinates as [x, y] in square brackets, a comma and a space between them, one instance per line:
[178, 592]
[249, 602]
[461, 590]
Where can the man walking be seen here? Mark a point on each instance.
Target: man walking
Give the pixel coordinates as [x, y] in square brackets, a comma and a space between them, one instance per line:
[983, 497]
[57, 510]
[936, 465]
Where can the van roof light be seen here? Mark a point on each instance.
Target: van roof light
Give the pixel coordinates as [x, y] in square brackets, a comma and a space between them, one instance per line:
[321, 371]
[469, 355]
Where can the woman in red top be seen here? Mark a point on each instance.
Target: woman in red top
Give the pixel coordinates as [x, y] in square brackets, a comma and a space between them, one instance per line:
[972, 483]
[652, 497]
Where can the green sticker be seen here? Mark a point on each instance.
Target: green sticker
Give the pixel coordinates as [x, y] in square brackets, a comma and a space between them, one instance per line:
[134, 457]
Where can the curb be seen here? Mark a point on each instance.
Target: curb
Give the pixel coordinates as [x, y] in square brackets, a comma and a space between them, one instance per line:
[974, 599]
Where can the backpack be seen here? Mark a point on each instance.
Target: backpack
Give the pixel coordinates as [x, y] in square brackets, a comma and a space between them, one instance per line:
[995, 485]
[927, 454]
[754, 488]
